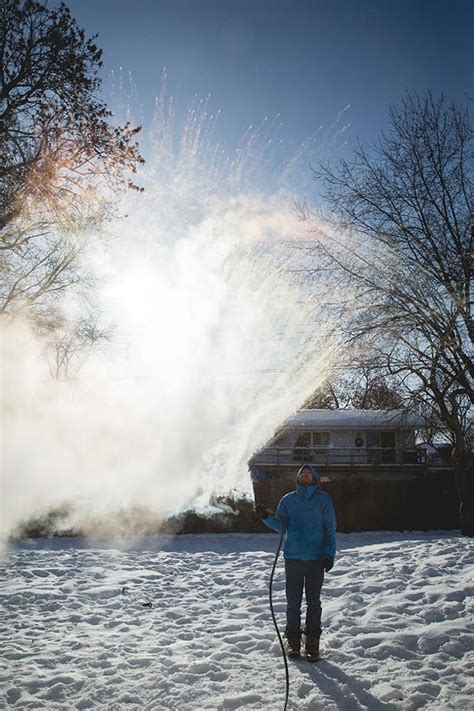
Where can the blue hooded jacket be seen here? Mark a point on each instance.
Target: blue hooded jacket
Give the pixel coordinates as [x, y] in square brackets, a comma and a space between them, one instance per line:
[307, 515]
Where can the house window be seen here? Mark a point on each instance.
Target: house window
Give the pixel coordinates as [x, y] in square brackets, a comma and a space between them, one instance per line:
[381, 447]
[320, 439]
[387, 447]
[387, 440]
[306, 442]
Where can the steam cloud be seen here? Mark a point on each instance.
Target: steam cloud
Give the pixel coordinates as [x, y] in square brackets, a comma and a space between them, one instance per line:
[215, 343]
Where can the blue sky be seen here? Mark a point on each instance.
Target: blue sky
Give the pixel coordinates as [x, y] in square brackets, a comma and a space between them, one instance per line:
[304, 59]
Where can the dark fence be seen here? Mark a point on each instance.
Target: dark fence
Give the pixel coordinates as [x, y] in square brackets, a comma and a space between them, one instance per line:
[402, 499]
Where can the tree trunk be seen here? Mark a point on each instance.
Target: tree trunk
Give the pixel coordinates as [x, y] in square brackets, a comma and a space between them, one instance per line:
[464, 475]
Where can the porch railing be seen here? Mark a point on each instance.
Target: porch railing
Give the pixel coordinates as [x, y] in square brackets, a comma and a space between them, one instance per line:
[342, 456]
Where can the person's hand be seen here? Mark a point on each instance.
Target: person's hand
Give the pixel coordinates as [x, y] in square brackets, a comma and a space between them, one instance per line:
[328, 564]
[261, 510]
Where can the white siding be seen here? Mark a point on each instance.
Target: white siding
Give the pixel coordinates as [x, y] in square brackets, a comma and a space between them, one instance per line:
[341, 450]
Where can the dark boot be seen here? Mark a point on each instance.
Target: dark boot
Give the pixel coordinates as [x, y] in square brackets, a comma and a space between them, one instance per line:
[312, 648]
[293, 645]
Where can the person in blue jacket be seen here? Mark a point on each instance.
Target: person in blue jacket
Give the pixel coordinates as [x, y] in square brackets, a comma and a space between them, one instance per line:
[308, 519]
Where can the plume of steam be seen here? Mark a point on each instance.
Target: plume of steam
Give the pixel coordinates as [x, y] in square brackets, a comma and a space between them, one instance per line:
[215, 343]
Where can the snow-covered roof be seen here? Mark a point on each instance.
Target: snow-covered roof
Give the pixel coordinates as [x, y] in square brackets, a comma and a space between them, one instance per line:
[353, 420]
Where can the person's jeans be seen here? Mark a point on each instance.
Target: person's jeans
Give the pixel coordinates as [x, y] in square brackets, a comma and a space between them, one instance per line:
[307, 574]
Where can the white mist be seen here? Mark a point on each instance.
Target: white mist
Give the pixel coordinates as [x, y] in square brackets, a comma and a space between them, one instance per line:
[216, 341]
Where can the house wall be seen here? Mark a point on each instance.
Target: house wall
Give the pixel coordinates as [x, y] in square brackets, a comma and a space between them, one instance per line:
[341, 450]
[344, 448]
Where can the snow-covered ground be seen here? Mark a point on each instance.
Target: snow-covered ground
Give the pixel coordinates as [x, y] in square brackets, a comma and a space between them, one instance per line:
[397, 611]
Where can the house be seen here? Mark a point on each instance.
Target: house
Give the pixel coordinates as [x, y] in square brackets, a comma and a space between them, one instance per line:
[371, 464]
[341, 438]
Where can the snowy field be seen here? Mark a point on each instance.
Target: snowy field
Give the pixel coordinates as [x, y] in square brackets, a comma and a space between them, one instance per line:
[397, 612]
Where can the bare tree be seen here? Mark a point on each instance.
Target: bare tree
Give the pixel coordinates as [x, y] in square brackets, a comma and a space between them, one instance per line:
[401, 241]
[61, 157]
[363, 384]
[72, 343]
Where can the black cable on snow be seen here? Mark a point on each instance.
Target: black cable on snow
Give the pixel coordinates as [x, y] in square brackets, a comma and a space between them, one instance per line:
[274, 618]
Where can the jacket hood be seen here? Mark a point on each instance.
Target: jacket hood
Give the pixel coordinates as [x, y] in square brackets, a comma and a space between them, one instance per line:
[315, 471]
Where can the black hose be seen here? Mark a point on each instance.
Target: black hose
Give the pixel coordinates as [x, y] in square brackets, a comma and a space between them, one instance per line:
[274, 619]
